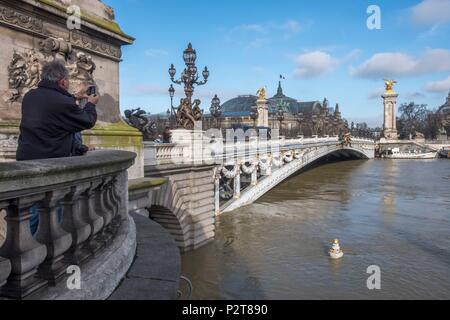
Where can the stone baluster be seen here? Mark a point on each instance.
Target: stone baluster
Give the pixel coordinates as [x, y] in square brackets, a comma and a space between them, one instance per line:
[100, 193]
[22, 250]
[5, 270]
[90, 216]
[237, 184]
[74, 223]
[5, 265]
[255, 177]
[112, 203]
[56, 239]
[217, 192]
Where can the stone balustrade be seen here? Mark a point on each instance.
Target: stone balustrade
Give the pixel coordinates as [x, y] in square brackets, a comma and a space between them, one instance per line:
[81, 203]
[164, 154]
[218, 152]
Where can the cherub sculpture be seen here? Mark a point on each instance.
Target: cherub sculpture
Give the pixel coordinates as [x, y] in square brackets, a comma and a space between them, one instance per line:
[188, 115]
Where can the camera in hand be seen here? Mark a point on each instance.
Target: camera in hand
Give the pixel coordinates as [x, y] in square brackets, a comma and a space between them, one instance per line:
[92, 91]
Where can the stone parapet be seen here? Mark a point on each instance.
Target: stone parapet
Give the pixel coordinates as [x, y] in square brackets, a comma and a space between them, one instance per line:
[82, 206]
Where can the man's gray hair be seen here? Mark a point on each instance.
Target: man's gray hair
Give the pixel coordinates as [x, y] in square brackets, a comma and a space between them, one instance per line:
[54, 71]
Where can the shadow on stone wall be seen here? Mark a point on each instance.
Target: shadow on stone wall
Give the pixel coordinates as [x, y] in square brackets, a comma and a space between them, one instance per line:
[2, 227]
[108, 109]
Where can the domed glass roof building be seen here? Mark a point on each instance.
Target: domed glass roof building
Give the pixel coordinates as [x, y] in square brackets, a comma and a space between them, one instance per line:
[241, 106]
[299, 118]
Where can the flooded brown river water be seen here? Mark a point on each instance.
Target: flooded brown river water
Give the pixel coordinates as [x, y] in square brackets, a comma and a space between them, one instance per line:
[392, 214]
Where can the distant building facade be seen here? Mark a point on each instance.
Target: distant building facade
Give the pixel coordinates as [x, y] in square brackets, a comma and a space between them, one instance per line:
[298, 118]
[444, 114]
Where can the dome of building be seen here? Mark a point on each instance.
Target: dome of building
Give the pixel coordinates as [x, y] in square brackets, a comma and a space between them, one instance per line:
[241, 106]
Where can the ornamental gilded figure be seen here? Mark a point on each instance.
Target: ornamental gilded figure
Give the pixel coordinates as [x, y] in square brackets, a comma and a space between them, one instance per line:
[390, 86]
[261, 94]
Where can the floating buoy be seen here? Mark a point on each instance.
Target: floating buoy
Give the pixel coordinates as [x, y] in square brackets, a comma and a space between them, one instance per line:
[335, 251]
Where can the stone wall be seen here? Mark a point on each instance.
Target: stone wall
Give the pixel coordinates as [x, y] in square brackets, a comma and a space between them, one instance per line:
[185, 207]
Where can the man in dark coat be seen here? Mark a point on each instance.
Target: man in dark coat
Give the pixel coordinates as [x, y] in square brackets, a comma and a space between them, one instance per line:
[51, 117]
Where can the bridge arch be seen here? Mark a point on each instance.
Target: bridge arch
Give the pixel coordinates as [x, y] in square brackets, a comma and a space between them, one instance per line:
[309, 156]
[185, 207]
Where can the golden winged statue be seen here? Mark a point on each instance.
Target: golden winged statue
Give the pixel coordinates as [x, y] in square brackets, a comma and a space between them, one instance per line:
[390, 86]
[261, 93]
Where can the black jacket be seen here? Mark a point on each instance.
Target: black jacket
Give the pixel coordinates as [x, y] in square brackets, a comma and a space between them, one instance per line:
[50, 118]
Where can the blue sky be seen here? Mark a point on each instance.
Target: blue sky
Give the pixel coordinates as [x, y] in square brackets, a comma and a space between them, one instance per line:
[323, 48]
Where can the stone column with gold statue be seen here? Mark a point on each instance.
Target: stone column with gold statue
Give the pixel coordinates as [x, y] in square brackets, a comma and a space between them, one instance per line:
[390, 114]
[35, 32]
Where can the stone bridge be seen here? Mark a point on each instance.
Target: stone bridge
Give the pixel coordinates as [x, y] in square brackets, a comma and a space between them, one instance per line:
[207, 177]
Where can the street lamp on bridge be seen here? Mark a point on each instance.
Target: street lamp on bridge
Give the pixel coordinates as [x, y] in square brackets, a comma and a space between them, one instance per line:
[189, 111]
[216, 109]
[172, 109]
[280, 116]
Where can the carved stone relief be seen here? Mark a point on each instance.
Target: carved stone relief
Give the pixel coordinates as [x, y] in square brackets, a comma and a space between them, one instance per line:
[21, 20]
[76, 37]
[24, 71]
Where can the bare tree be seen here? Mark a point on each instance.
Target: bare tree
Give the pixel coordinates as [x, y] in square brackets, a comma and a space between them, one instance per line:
[412, 119]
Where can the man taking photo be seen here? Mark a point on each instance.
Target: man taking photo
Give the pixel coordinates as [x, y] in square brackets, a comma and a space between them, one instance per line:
[51, 117]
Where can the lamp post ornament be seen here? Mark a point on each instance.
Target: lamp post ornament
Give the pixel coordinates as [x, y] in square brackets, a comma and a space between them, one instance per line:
[189, 111]
[216, 109]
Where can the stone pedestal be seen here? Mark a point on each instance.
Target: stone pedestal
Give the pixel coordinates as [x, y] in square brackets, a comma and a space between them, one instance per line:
[118, 136]
[34, 32]
[390, 116]
[263, 112]
[193, 141]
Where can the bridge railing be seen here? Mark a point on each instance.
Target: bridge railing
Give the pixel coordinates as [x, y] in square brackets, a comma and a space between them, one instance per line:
[363, 140]
[214, 151]
[80, 204]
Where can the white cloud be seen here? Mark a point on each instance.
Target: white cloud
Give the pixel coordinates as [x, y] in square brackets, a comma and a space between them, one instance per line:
[256, 35]
[431, 12]
[434, 60]
[315, 63]
[438, 86]
[318, 62]
[394, 64]
[293, 26]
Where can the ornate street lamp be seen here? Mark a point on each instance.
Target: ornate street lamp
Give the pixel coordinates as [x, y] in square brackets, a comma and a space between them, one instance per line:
[300, 120]
[172, 109]
[280, 116]
[189, 112]
[315, 120]
[216, 109]
[189, 76]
